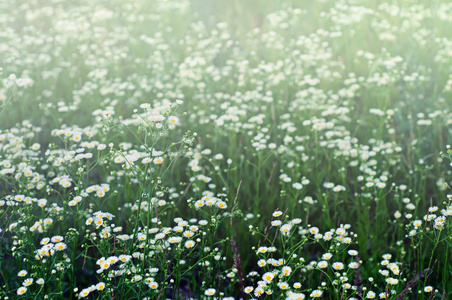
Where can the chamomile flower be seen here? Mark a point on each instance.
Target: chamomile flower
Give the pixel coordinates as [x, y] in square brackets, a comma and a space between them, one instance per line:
[188, 233]
[262, 263]
[100, 286]
[84, 293]
[175, 240]
[57, 238]
[277, 213]
[387, 256]
[392, 281]
[124, 258]
[353, 265]
[153, 285]
[286, 271]
[221, 204]
[283, 285]
[189, 244]
[262, 250]
[276, 223]
[296, 296]
[27, 282]
[327, 256]
[313, 230]
[22, 290]
[112, 259]
[268, 277]
[258, 291]
[105, 265]
[42, 202]
[417, 223]
[338, 266]
[370, 295]
[158, 160]
[203, 222]
[98, 221]
[45, 241]
[60, 246]
[210, 292]
[316, 294]
[173, 119]
[199, 203]
[210, 201]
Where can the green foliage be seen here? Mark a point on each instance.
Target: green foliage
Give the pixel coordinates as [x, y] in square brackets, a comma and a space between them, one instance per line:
[192, 149]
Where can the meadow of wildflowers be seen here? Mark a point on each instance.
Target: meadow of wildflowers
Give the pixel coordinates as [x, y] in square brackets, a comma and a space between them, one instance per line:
[196, 149]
